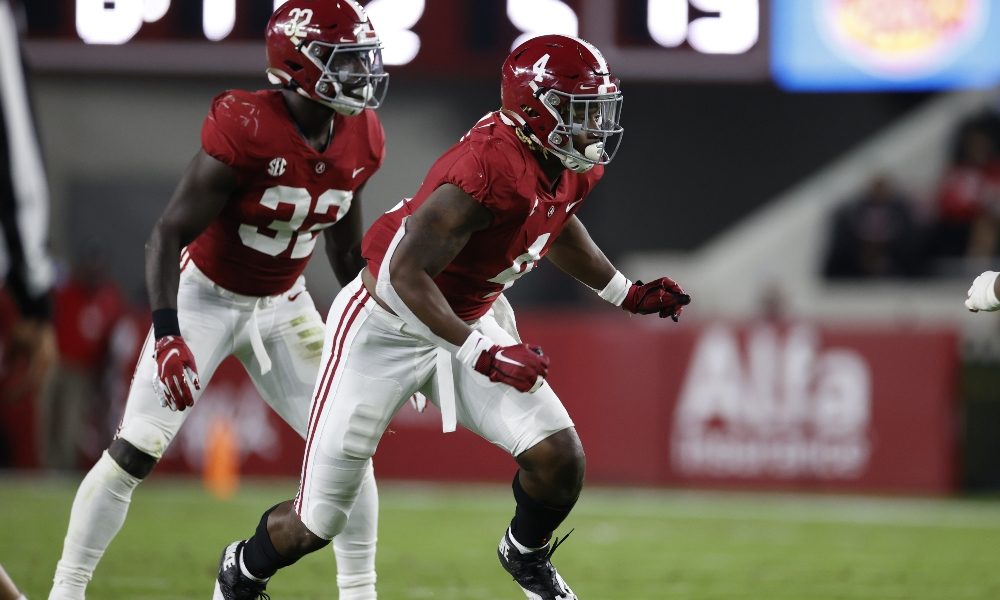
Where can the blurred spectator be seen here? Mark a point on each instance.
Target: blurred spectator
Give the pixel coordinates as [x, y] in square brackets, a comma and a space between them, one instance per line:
[87, 305]
[987, 121]
[968, 199]
[27, 345]
[874, 236]
[125, 343]
[773, 305]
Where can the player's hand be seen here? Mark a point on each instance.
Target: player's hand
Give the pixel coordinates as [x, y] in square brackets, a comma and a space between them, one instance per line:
[176, 373]
[662, 296]
[982, 294]
[520, 366]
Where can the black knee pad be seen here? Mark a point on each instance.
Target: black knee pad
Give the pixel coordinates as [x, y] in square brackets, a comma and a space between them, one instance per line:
[135, 462]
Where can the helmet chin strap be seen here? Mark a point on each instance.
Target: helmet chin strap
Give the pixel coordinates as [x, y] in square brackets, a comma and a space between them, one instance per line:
[348, 110]
[593, 151]
[367, 93]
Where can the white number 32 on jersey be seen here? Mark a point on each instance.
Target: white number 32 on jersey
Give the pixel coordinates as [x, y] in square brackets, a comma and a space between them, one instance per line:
[285, 233]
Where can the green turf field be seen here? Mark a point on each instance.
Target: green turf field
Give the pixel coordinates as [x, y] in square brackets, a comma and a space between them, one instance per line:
[439, 542]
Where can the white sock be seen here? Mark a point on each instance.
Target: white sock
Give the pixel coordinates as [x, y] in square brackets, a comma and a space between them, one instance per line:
[354, 547]
[97, 515]
[521, 547]
[246, 572]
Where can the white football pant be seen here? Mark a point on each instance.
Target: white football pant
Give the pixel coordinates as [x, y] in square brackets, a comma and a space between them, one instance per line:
[372, 363]
[287, 331]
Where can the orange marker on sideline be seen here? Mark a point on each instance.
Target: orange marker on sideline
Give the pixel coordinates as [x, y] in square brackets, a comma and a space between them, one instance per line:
[221, 474]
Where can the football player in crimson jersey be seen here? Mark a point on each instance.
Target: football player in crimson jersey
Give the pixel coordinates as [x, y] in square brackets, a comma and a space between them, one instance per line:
[224, 267]
[424, 315]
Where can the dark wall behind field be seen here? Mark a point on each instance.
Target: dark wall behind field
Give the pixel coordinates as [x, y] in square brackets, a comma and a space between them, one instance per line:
[695, 158]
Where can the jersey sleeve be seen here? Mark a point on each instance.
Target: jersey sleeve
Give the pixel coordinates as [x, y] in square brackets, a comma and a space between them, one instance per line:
[375, 134]
[487, 176]
[230, 130]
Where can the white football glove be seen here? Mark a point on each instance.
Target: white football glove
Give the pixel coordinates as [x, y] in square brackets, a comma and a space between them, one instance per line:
[982, 295]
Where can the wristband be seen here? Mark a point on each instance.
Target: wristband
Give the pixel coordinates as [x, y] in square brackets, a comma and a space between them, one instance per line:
[616, 290]
[165, 323]
[474, 345]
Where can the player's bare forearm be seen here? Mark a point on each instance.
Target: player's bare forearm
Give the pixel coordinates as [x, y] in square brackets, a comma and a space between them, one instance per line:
[423, 253]
[343, 243]
[422, 296]
[346, 265]
[575, 253]
[202, 192]
[435, 234]
[343, 252]
[162, 268]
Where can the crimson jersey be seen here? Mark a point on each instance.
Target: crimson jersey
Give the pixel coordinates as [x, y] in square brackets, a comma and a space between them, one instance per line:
[287, 191]
[493, 166]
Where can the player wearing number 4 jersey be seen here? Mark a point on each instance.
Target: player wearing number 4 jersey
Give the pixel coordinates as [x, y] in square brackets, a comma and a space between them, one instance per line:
[423, 316]
[224, 268]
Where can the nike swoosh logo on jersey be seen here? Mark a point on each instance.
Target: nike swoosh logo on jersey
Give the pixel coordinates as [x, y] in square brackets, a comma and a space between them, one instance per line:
[533, 207]
[503, 358]
[292, 297]
[570, 206]
[355, 172]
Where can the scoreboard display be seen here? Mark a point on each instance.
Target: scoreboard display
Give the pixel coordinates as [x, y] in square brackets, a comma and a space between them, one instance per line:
[645, 39]
[802, 45]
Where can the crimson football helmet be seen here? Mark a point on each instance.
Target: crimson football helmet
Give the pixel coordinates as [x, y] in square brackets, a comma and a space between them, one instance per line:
[327, 50]
[557, 86]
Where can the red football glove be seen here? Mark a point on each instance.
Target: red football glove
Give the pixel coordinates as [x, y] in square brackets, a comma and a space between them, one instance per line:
[521, 366]
[661, 296]
[175, 373]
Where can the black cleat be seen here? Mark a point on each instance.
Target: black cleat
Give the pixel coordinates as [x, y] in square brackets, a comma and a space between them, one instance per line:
[534, 572]
[232, 584]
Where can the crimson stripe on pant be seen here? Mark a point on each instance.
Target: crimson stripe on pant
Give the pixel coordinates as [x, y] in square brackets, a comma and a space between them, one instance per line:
[135, 374]
[329, 362]
[337, 345]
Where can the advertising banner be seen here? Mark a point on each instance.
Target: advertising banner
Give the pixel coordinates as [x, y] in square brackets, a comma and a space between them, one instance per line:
[791, 406]
[775, 406]
[856, 45]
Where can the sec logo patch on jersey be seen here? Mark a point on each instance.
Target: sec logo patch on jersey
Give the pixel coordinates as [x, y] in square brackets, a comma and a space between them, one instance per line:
[276, 168]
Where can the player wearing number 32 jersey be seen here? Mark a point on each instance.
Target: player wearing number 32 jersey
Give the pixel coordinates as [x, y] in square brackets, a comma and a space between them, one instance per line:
[224, 267]
[288, 191]
[425, 315]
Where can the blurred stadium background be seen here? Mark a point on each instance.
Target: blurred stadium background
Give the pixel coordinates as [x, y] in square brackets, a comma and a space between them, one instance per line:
[823, 176]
